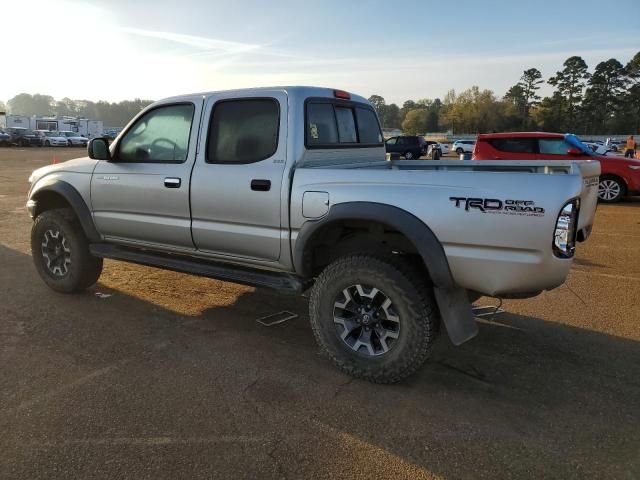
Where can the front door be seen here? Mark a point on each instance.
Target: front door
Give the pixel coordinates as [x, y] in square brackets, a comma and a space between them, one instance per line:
[142, 195]
[237, 186]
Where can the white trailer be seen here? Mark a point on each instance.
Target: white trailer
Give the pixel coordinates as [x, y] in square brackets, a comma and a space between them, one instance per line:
[83, 126]
[18, 121]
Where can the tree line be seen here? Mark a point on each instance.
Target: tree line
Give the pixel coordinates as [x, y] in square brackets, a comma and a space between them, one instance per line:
[116, 114]
[604, 101]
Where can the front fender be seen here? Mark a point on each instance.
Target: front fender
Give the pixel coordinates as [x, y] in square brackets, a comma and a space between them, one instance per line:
[53, 186]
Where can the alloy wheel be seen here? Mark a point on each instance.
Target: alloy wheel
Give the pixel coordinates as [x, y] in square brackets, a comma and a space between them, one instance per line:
[56, 253]
[609, 189]
[366, 320]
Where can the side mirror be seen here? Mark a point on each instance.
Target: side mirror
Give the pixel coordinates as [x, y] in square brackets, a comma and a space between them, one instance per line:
[574, 151]
[98, 149]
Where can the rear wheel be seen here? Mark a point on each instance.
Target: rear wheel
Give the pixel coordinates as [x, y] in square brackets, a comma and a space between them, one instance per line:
[611, 189]
[60, 252]
[374, 317]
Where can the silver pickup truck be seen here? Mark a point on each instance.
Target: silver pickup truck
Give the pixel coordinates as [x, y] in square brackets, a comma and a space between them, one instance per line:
[289, 188]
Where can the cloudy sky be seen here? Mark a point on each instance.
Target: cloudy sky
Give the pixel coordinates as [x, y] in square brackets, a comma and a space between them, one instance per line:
[121, 49]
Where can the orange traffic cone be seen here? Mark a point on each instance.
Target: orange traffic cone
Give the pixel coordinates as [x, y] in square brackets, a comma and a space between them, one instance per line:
[55, 159]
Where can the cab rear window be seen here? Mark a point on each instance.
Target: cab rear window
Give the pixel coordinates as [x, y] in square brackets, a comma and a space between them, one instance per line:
[333, 124]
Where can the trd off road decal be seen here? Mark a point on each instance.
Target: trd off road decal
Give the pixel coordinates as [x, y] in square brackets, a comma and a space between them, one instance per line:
[493, 205]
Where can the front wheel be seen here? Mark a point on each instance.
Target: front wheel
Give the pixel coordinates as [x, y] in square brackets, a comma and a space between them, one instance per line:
[60, 252]
[374, 317]
[409, 155]
[459, 151]
[610, 189]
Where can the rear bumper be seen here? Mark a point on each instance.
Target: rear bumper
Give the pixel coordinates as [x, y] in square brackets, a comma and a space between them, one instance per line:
[506, 273]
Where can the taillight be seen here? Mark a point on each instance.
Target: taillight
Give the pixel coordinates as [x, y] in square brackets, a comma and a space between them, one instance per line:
[564, 238]
[342, 94]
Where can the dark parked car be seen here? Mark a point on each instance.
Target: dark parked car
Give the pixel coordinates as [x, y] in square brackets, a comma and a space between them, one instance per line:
[24, 137]
[5, 138]
[409, 147]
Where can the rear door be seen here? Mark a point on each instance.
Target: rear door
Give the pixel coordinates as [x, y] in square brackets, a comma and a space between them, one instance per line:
[237, 182]
[142, 195]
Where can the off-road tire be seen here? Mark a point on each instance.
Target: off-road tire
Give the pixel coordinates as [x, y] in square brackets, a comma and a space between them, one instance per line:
[412, 298]
[84, 269]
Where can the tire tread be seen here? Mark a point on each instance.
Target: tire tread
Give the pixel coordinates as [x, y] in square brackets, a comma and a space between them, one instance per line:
[416, 294]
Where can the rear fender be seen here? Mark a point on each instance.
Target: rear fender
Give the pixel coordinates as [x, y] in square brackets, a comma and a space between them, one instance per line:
[453, 301]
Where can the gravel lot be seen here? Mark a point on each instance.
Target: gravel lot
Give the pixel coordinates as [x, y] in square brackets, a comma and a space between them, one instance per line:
[171, 377]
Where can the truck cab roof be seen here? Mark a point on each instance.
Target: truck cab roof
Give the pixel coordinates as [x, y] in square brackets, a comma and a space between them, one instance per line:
[297, 91]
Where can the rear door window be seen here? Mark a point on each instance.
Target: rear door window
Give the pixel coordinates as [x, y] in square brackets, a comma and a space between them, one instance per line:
[514, 145]
[553, 146]
[243, 131]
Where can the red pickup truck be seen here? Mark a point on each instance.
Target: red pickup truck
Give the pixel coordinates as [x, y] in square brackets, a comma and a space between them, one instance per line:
[619, 176]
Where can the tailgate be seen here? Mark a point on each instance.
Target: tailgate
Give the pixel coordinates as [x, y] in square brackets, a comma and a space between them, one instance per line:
[588, 197]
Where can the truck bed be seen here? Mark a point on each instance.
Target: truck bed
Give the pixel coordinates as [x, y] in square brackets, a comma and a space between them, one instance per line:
[492, 252]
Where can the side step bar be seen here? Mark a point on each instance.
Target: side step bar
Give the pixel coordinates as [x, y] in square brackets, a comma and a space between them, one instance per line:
[203, 268]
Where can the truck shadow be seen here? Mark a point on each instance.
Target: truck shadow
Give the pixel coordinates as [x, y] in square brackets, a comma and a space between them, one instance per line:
[527, 397]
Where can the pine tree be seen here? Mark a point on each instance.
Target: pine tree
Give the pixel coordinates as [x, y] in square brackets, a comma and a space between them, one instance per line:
[602, 99]
[570, 83]
[530, 83]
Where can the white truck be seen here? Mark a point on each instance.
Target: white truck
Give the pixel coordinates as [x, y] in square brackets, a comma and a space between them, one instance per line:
[288, 188]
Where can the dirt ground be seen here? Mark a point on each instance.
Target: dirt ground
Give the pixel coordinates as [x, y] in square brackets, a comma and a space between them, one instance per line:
[170, 376]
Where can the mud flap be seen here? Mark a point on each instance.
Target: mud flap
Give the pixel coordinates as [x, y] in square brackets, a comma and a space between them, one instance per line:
[456, 313]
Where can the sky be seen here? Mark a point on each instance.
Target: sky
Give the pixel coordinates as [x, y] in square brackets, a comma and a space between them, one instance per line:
[123, 49]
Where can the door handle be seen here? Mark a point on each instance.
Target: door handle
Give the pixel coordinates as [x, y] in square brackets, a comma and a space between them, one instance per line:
[172, 182]
[261, 185]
